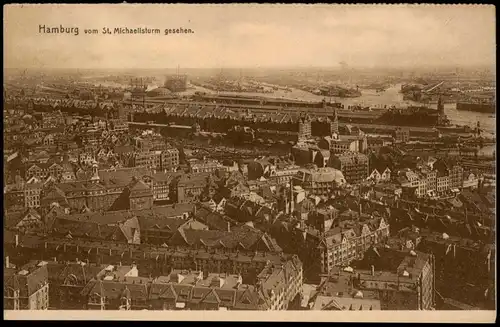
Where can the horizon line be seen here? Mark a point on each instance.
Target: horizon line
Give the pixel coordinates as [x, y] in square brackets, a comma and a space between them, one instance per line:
[267, 67]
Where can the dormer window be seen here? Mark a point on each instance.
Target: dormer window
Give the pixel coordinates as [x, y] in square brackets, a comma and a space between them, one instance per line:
[125, 301]
[96, 299]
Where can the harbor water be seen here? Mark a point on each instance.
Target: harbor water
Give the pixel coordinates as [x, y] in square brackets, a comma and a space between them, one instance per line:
[391, 97]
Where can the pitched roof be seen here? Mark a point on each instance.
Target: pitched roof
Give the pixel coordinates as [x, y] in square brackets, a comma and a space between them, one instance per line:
[82, 274]
[139, 186]
[242, 237]
[115, 290]
[155, 213]
[28, 283]
[123, 176]
[12, 219]
[212, 219]
[86, 229]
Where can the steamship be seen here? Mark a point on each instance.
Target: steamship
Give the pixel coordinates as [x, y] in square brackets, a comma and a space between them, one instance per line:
[488, 107]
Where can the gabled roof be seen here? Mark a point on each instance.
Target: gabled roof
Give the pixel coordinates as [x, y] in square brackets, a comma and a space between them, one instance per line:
[82, 273]
[12, 219]
[123, 176]
[211, 297]
[115, 290]
[212, 219]
[162, 291]
[169, 224]
[139, 186]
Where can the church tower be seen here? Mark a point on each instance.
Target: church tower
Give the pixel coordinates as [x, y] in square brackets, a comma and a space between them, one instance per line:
[334, 123]
[304, 128]
[440, 106]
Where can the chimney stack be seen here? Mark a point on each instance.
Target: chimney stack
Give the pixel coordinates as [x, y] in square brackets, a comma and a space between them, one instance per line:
[7, 263]
[287, 206]
[360, 209]
[239, 281]
[228, 226]
[373, 270]
[17, 240]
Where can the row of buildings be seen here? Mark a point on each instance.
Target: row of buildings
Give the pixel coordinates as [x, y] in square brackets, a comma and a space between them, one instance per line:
[436, 177]
[42, 285]
[396, 280]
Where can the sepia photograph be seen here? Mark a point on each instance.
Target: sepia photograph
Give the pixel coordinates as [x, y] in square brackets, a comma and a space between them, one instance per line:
[203, 161]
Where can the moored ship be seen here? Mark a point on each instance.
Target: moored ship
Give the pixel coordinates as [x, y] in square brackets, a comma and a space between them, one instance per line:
[340, 92]
[488, 107]
[414, 116]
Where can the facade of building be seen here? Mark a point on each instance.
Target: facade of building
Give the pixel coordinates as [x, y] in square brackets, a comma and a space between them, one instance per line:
[204, 166]
[336, 292]
[329, 239]
[336, 145]
[26, 288]
[426, 181]
[304, 128]
[470, 180]
[404, 280]
[27, 220]
[451, 169]
[319, 181]
[401, 135]
[32, 193]
[170, 159]
[305, 153]
[177, 83]
[52, 119]
[165, 160]
[67, 281]
[140, 195]
[384, 176]
[283, 174]
[353, 165]
[375, 143]
[118, 125]
[334, 123]
[99, 193]
[162, 185]
[143, 158]
[190, 186]
[348, 241]
[274, 288]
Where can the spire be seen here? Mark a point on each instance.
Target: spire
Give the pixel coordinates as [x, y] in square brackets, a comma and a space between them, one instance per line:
[440, 105]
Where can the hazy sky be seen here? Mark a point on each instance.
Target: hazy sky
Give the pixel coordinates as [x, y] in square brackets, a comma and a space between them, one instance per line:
[251, 36]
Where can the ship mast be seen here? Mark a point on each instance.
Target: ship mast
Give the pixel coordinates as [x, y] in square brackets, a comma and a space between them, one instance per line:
[240, 82]
[143, 94]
